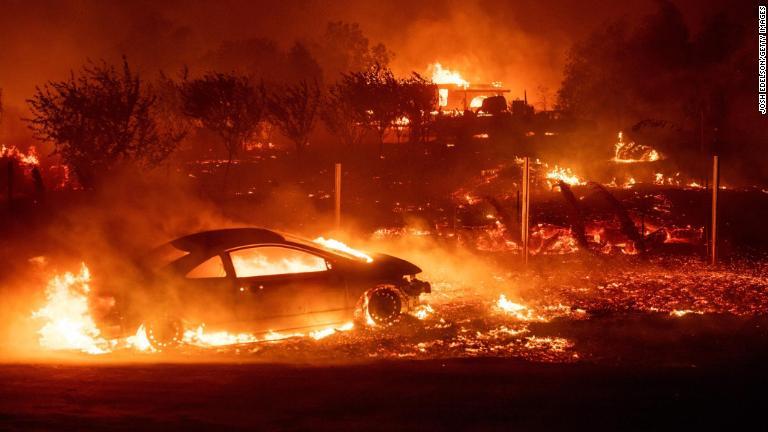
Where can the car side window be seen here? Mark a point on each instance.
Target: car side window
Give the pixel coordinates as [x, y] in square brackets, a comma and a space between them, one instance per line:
[211, 268]
[274, 260]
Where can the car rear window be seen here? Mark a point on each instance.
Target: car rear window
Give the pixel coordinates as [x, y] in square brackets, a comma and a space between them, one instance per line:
[211, 268]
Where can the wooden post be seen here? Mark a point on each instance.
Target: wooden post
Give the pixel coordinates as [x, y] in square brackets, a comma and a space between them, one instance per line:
[525, 208]
[337, 193]
[715, 189]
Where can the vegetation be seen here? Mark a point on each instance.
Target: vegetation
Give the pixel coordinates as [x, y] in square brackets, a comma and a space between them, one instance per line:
[100, 118]
[227, 104]
[293, 108]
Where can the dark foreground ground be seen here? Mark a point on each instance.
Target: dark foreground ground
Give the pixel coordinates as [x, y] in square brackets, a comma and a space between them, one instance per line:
[469, 394]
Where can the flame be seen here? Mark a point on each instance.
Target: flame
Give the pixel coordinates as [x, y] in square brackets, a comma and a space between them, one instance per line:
[442, 97]
[477, 101]
[521, 312]
[630, 152]
[258, 265]
[30, 158]
[683, 312]
[140, 341]
[68, 322]
[402, 121]
[446, 76]
[200, 338]
[422, 312]
[323, 333]
[565, 175]
[341, 247]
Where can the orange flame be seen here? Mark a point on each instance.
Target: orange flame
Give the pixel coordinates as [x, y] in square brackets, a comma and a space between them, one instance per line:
[563, 174]
[341, 247]
[630, 152]
[446, 76]
[68, 322]
[29, 158]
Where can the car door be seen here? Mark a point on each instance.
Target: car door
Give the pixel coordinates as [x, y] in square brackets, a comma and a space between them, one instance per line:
[281, 287]
[206, 296]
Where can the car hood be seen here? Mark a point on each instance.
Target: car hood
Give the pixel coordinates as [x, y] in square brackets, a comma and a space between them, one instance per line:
[389, 265]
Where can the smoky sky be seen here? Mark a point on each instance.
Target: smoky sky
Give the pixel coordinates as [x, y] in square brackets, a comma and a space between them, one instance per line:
[524, 44]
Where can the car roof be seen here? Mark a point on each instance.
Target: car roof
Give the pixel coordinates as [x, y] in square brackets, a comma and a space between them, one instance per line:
[226, 239]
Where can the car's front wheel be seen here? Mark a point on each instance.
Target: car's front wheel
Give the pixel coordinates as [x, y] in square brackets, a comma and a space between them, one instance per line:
[383, 305]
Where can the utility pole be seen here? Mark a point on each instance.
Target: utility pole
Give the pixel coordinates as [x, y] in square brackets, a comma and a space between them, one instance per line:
[525, 204]
[715, 189]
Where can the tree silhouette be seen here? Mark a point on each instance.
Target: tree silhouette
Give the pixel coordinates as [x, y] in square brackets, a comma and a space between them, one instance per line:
[227, 104]
[374, 96]
[344, 48]
[293, 109]
[417, 99]
[342, 116]
[98, 119]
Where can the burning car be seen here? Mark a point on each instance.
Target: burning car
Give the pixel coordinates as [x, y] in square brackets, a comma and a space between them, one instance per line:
[258, 280]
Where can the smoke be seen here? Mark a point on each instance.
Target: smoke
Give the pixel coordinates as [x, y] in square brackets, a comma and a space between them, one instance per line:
[521, 43]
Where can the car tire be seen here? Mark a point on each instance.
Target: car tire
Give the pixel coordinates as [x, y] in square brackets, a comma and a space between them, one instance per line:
[383, 305]
[164, 333]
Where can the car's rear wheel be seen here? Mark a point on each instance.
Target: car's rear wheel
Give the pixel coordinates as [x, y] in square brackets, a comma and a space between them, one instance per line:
[384, 305]
[164, 333]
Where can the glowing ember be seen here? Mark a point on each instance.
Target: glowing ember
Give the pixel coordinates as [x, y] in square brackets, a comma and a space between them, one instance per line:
[630, 152]
[446, 76]
[341, 247]
[68, 322]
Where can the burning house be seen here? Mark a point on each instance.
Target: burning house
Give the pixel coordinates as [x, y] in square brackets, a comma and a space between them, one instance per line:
[458, 95]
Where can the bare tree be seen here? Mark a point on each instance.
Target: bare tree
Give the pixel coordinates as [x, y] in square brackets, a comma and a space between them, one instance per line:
[544, 97]
[227, 104]
[293, 109]
[98, 119]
